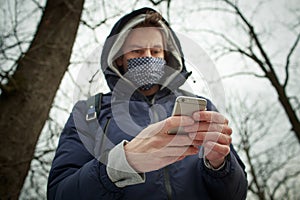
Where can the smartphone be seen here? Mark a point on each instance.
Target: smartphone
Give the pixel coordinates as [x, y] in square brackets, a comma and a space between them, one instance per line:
[185, 105]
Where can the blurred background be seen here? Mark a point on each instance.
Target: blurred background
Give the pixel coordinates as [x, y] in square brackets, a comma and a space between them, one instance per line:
[49, 59]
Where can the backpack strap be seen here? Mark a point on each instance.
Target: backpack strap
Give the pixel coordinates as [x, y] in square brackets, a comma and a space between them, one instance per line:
[94, 106]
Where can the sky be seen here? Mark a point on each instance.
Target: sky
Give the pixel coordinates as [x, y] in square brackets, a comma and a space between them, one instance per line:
[273, 21]
[270, 19]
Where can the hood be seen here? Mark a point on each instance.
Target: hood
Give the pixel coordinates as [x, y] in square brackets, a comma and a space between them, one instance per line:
[116, 38]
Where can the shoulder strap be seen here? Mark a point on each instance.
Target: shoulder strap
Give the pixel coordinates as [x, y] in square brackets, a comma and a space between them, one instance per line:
[94, 106]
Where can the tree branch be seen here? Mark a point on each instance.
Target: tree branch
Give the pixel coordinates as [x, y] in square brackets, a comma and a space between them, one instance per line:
[252, 33]
[284, 180]
[155, 3]
[287, 64]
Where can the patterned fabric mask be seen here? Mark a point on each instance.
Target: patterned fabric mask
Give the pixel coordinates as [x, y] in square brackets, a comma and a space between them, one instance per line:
[145, 72]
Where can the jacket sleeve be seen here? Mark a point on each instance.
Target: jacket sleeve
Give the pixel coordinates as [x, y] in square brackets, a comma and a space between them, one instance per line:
[75, 173]
[230, 182]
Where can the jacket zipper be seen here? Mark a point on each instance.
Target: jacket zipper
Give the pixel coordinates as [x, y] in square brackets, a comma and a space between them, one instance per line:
[106, 125]
[167, 183]
[165, 169]
[166, 175]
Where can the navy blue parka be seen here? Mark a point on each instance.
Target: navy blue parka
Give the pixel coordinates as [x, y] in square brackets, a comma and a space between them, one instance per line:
[79, 168]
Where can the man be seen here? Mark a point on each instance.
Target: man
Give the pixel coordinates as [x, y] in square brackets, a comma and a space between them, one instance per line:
[129, 154]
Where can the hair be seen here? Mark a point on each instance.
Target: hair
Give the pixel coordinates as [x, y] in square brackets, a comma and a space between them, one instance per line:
[151, 20]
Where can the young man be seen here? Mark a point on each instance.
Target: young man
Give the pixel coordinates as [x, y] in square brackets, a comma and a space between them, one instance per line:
[129, 153]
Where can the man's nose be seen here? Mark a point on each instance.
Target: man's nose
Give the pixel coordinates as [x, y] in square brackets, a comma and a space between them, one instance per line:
[147, 52]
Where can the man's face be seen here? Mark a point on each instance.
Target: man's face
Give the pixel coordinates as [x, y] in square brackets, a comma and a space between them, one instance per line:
[142, 42]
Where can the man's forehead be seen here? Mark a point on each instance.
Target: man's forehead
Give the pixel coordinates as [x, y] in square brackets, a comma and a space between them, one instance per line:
[144, 37]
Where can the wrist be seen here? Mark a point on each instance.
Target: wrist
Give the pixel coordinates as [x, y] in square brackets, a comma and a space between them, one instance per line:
[214, 165]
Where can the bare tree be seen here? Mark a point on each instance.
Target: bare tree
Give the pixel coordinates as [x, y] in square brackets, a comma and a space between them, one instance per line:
[27, 95]
[110, 10]
[95, 16]
[260, 56]
[270, 153]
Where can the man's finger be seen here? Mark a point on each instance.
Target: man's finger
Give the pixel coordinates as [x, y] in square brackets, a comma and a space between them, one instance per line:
[209, 127]
[210, 116]
[177, 121]
[211, 136]
[219, 148]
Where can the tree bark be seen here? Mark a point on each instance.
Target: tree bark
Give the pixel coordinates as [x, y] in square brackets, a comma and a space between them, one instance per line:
[25, 107]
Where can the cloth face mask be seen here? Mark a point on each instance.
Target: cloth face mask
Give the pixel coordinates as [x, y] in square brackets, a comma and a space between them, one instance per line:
[145, 72]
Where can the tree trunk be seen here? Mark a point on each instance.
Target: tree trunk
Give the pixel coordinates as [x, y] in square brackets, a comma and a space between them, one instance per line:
[25, 109]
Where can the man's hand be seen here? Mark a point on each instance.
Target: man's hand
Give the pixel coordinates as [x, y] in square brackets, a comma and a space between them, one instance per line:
[213, 132]
[153, 148]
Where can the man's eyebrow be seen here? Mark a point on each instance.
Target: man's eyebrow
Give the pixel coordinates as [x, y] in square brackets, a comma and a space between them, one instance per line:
[137, 46]
[157, 46]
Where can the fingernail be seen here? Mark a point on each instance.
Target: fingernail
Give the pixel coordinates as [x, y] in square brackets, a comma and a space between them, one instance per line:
[196, 115]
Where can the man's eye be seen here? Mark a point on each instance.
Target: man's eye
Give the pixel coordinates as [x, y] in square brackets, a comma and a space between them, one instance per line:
[156, 51]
